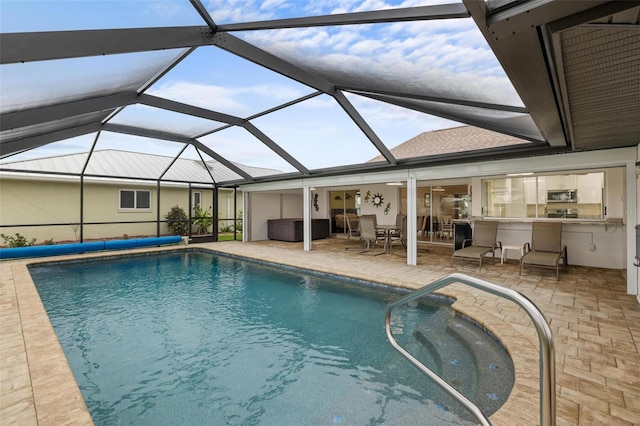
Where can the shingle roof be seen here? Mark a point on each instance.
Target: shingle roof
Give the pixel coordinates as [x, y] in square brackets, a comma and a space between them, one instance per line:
[447, 141]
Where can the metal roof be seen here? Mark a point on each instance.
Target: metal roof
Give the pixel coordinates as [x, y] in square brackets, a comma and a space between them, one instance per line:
[131, 165]
[574, 69]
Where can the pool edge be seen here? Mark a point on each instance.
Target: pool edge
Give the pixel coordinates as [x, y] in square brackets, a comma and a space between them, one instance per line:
[61, 390]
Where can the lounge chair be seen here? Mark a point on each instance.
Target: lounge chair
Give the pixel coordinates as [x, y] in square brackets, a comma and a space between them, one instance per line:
[546, 249]
[482, 242]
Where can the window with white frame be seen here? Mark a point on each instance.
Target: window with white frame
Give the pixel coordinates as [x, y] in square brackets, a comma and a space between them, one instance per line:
[563, 196]
[131, 199]
[197, 199]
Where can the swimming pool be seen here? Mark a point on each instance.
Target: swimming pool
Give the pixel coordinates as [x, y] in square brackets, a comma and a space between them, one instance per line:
[199, 338]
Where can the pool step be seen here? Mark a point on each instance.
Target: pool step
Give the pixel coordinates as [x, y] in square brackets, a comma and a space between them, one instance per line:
[493, 366]
[467, 358]
[452, 359]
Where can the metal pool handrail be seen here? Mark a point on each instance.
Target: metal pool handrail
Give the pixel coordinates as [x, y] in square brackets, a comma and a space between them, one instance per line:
[547, 352]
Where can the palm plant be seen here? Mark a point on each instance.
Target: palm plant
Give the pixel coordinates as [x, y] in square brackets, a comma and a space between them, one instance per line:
[202, 219]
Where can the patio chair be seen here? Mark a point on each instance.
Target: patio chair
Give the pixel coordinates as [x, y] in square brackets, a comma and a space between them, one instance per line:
[351, 230]
[546, 249]
[422, 225]
[446, 226]
[368, 233]
[482, 242]
[397, 234]
[404, 236]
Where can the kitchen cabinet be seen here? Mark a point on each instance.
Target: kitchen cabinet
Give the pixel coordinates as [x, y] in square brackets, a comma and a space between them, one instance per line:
[562, 182]
[542, 189]
[530, 188]
[590, 188]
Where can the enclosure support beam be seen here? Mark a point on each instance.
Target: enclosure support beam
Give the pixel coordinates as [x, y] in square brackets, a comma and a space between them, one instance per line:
[306, 223]
[158, 209]
[412, 231]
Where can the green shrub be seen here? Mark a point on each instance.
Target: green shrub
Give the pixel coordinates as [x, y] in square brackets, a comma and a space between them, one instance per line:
[177, 221]
[239, 222]
[226, 228]
[203, 219]
[17, 241]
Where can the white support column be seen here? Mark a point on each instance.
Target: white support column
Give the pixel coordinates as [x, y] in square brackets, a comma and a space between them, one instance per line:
[412, 226]
[306, 199]
[633, 287]
[246, 216]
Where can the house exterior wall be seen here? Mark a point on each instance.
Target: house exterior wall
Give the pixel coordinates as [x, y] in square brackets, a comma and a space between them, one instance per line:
[292, 206]
[28, 201]
[390, 207]
[57, 201]
[613, 238]
[263, 206]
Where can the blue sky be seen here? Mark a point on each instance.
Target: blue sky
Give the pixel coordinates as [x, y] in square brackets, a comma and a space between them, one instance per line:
[446, 57]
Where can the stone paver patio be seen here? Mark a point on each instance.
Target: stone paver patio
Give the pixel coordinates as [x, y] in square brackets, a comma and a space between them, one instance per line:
[596, 327]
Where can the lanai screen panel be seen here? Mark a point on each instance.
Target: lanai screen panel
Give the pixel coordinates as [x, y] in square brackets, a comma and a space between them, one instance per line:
[138, 144]
[189, 167]
[444, 61]
[514, 123]
[164, 120]
[18, 133]
[227, 12]
[237, 145]
[393, 124]
[73, 147]
[128, 156]
[318, 133]
[88, 15]
[36, 84]
[214, 79]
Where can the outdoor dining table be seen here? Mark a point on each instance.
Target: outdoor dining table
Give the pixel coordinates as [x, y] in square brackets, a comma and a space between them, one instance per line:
[388, 231]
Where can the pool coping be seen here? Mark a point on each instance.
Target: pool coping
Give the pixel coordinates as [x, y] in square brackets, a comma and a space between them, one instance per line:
[56, 398]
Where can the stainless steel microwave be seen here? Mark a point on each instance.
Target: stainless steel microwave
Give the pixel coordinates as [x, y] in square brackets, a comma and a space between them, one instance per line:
[562, 196]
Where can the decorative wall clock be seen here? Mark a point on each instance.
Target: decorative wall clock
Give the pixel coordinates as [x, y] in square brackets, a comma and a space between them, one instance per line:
[377, 200]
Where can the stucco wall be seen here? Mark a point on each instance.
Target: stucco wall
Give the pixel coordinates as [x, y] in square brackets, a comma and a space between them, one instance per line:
[390, 195]
[263, 206]
[30, 201]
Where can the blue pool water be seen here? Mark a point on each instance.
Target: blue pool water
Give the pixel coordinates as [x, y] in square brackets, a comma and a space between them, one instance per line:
[196, 338]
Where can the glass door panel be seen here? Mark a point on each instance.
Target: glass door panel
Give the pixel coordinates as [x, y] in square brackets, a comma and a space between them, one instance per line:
[438, 207]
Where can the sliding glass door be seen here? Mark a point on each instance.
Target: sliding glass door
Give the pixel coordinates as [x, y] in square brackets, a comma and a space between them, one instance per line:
[438, 207]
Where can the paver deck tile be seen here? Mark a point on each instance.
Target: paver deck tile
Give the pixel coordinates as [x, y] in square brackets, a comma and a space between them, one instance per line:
[596, 327]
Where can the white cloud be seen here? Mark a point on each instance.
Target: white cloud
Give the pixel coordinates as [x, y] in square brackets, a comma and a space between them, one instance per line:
[166, 9]
[230, 100]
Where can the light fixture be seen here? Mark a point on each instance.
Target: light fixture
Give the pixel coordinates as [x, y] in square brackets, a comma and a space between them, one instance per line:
[438, 189]
[519, 174]
[395, 183]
